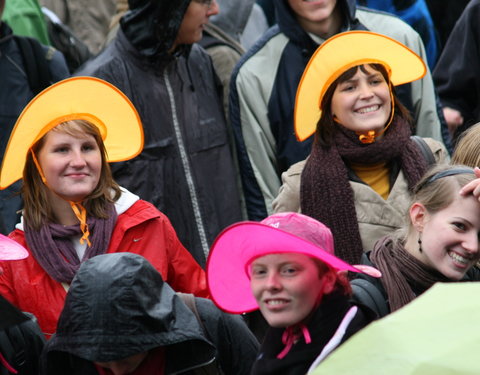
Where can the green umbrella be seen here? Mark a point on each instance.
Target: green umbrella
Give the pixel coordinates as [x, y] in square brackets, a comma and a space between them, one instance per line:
[436, 334]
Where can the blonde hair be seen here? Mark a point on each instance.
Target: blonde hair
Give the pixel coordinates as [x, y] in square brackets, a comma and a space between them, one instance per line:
[437, 189]
[467, 150]
[37, 210]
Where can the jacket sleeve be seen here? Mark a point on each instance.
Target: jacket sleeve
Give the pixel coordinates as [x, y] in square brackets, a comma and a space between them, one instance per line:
[236, 345]
[254, 140]
[184, 273]
[288, 199]
[456, 73]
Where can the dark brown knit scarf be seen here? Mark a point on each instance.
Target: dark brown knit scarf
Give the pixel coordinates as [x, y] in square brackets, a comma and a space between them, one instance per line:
[400, 270]
[325, 192]
[53, 249]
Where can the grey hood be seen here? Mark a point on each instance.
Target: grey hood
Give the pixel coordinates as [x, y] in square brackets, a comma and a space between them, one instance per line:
[233, 16]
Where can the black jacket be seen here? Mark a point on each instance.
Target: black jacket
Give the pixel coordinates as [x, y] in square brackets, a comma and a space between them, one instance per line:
[15, 93]
[21, 340]
[186, 168]
[118, 305]
[322, 326]
[456, 73]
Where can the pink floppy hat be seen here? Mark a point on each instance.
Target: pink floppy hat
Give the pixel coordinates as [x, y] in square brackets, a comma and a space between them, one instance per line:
[237, 246]
[11, 250]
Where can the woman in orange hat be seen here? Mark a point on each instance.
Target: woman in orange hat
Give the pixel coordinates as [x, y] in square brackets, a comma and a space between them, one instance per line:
[73, 209]
[364, 163]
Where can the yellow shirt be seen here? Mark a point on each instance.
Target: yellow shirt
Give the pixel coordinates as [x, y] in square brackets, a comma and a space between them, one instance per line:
[376, 176]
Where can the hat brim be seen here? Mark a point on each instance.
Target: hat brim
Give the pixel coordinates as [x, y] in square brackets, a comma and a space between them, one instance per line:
[340, 53]
[76, 98]
[11, 250]
[237, 246]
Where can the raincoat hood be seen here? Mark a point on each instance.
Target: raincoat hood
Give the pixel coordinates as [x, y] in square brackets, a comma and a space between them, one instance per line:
[152, 25]
[233, 16]
[118, 305]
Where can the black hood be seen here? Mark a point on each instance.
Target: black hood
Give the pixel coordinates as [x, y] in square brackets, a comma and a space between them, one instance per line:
[118, 305]
[291, 28]
[152, 25]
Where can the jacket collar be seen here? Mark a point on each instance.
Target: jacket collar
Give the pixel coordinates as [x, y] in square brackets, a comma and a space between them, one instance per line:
[289, 25]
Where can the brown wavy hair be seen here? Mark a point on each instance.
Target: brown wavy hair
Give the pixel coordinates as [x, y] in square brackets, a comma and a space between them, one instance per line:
[342, 284]
[37, 209]
[326, 125]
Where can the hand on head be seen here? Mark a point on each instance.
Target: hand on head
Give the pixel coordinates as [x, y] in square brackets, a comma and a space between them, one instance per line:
[472, 187]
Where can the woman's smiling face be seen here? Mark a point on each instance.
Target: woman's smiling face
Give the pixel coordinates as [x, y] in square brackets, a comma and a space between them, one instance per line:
[71, 165]
[288, 286]
[450, 237]
[362, 102]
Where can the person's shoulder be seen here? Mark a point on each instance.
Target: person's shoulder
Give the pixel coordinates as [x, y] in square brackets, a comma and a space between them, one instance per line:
[107, 61]
[295, 169]
[142, 210]
[264, 53]
[387, 24]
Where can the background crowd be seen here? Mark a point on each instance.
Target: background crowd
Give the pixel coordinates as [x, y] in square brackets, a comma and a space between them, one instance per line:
[169, 165]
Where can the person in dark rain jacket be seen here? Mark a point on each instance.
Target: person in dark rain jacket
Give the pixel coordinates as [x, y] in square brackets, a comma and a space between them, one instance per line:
[121, 318]
[186, 168]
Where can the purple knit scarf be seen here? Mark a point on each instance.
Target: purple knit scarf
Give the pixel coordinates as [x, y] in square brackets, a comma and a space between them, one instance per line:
[52, 245]
[399, 270]
[325, 191]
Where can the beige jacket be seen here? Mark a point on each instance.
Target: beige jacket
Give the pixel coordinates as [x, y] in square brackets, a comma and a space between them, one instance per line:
[376, 217]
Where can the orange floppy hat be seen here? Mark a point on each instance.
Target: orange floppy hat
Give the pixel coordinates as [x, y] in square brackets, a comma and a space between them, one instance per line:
[340, 53]
[76, 98]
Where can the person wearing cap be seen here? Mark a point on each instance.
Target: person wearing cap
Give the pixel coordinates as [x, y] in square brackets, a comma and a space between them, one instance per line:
[364, 163]
[440, 241]
[74, 210]
[21, 341]
[139, 325]
[186, 168]
[285, 266]
[262, 94]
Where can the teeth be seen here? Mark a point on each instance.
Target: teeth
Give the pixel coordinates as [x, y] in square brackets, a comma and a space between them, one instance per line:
[368, 109]
[458, 258]
[275, 302]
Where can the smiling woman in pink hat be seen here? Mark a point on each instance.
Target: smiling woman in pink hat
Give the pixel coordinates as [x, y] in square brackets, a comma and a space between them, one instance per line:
[285, 266]
[73, 209]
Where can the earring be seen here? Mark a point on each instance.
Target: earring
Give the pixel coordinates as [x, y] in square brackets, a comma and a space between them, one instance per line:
[419, 244]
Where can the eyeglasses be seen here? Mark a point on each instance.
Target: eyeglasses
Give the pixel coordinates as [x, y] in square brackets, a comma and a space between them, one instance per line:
[208, 3]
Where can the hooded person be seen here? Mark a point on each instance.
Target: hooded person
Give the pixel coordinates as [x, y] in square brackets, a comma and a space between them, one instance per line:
[120, 317]
[264, 84]
[74, 210]
[285, 266]
[21, 341]
[222, 39]
[186, 168]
